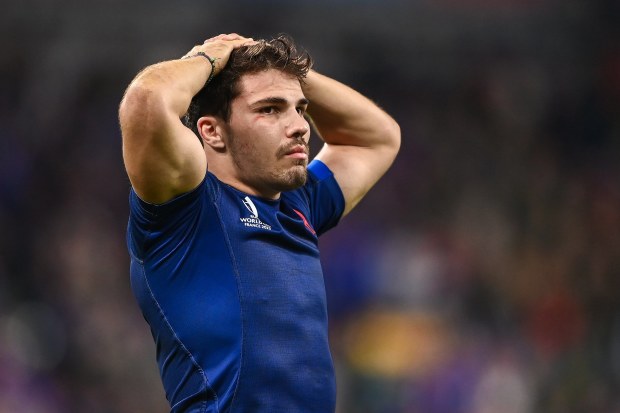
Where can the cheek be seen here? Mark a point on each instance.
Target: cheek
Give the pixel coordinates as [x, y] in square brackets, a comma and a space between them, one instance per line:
[255, 143]
[261, 145]
[249, 153]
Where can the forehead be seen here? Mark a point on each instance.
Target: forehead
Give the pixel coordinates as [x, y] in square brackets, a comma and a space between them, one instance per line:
[269, 83]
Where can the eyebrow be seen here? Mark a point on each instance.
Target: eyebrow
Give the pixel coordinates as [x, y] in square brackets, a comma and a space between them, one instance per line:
[274, 100]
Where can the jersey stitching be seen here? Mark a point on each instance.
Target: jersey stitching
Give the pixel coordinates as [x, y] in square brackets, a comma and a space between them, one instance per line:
[179, 341]
[131, 253]
[149, 230]
[239, 295]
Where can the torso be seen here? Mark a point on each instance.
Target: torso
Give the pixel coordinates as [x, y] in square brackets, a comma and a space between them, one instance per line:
[233, 290]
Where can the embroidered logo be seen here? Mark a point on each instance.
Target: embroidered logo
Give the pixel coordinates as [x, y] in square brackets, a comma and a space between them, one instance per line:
[253, 221]
[250, 206]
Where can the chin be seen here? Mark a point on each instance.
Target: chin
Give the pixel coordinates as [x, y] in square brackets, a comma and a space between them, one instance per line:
[294, 178]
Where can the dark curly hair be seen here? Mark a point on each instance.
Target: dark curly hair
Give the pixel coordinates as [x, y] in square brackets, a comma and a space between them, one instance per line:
[215, 99]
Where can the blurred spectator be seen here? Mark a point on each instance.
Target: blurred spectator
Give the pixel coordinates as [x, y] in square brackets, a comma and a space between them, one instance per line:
[482, 275]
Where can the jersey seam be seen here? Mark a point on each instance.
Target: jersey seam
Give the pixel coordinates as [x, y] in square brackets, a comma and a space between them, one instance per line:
[131, 252]
[217, 194]
[183, 347]
[155, 213]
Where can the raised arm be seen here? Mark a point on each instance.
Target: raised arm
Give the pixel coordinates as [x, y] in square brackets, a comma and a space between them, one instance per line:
[164, 158]
[361, 140]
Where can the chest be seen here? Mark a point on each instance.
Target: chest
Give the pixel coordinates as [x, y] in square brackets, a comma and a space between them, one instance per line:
[275, 251]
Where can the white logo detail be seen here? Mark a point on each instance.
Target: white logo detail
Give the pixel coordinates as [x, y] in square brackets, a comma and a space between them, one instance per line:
[250, 206]
[253, 221]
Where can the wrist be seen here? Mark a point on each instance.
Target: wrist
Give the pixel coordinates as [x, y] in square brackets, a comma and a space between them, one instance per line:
[210, 59]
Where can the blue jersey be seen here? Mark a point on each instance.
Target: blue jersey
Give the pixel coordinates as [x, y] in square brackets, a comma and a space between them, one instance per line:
[232, 288]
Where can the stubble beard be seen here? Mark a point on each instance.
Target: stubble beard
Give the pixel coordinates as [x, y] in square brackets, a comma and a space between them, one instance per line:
[293, 178]
[297, 175]
[264, 175]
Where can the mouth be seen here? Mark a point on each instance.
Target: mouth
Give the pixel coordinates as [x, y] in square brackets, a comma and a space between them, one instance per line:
[297, 152]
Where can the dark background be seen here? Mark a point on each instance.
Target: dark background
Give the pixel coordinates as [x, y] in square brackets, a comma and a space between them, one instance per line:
[481, 275]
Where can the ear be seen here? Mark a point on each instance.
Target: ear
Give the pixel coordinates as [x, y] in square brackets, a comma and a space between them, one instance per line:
[210, 129]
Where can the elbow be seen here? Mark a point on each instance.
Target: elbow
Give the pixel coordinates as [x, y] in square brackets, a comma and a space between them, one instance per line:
[138, 98]
[392, 135]
[140, 107]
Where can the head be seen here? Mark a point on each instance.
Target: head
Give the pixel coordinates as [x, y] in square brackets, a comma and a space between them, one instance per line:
[256, 145]
[279, 53]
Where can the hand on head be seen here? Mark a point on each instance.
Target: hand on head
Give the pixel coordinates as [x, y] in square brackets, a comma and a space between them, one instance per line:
[220, 47]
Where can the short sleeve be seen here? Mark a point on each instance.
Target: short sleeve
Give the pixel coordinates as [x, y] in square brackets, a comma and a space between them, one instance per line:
[150, 224]
[325, 198]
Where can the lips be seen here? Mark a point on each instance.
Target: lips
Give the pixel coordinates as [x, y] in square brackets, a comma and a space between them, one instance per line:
[297, 149]
[296, 152]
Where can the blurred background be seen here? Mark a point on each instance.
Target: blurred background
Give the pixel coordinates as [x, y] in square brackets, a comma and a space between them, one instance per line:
[482, 275]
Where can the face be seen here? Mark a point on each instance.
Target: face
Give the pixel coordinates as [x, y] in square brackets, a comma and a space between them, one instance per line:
[267, 135]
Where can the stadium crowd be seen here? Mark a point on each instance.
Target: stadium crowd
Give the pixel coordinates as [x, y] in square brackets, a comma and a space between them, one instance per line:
[481, 275]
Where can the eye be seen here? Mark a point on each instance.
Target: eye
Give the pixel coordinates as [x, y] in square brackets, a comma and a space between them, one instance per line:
[301, 110]
[268, 110]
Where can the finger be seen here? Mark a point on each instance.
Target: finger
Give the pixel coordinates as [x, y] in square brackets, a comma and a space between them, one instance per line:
[232, 36]
[242, 41]
[219, 36]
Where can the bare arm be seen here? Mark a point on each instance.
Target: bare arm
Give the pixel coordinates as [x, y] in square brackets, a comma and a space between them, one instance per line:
[361, 140]
[163, 158]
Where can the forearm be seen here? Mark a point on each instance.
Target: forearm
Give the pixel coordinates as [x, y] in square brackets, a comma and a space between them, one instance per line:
[162, 156]
[162, 93]
[361, 140]
[345, 117]
[168, 87]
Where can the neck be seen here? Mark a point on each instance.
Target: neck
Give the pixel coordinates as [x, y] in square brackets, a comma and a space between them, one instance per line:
[226, 172]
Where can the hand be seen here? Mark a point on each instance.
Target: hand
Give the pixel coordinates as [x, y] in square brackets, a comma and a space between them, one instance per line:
[220, 47]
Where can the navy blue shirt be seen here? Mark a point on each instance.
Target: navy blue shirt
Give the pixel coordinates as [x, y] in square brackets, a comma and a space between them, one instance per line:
[232, 288]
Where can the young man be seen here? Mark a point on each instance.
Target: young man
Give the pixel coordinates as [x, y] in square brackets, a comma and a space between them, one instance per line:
[224, 217]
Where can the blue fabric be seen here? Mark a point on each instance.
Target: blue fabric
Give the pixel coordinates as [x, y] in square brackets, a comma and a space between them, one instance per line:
[232, 288]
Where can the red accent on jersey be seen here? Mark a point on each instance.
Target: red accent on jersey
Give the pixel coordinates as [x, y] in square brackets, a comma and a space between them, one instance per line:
[306, 223]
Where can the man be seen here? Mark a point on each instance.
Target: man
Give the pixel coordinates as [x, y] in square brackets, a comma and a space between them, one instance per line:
[223, 228]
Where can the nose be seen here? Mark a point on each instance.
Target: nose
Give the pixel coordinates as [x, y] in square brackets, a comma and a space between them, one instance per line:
[298, 128]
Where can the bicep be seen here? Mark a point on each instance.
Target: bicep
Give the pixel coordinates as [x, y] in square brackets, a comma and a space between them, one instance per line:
[356, 169]
[163, 158]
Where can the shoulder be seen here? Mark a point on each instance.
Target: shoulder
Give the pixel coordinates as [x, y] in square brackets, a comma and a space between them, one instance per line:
[209, 186]
[320, 199]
